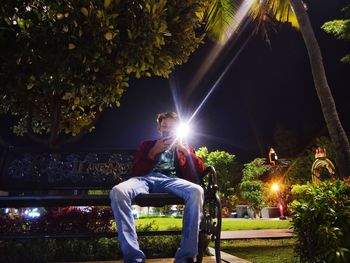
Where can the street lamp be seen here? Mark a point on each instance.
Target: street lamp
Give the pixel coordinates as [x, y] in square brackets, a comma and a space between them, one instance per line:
[276, 188]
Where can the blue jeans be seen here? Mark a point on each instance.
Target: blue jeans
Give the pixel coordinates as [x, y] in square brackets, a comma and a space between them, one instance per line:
[122, 194]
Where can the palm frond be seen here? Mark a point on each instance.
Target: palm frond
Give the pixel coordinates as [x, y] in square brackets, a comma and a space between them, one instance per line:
[283, 12]
[220, 17]
[279, 10]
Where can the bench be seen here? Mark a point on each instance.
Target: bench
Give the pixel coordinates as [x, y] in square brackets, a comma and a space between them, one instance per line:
[36, 178]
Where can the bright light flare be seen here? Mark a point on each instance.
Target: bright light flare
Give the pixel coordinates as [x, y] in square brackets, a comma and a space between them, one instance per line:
[182, 130]
[236, 27]
[275, 187]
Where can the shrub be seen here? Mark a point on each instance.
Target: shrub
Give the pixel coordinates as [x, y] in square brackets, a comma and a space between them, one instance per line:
[59, 250]
[73, 220]
[321, 221]
[158, 246]
[26, 251]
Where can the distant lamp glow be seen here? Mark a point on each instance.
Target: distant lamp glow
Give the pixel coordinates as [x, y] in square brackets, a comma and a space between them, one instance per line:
[273, 156]
[183, 130]
[275, 187]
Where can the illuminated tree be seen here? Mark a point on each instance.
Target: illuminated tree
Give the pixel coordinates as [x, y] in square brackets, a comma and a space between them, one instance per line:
[64, 61]
[228, 174]
[252, 188]
[340, 28]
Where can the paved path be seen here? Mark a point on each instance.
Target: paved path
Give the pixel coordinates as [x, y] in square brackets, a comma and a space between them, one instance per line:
[155, 260]
[225, 258]
[228, 235]
[260, 234]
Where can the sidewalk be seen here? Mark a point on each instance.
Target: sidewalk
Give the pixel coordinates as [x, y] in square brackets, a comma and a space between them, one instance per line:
[257, 234]
[225, 258]
[226, 235]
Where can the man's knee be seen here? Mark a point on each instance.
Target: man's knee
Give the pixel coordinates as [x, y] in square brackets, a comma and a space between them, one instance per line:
[197, 192]
[119, 192]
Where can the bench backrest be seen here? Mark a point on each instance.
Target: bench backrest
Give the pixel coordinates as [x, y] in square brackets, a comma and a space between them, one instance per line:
[30, 170]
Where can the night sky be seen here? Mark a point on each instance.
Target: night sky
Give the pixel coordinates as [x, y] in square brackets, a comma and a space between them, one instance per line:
[267, 85]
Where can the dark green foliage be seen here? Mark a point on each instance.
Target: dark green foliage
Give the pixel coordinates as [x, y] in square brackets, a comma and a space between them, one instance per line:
[228, 174]
[340, 28]
[64, 61]
[252, 188]
[84, 249]
[321, 221]
[59, 250]
[158, 246]
[26, 251]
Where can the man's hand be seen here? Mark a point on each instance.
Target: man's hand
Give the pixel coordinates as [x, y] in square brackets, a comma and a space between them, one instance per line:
[160, 146]
[183, 148]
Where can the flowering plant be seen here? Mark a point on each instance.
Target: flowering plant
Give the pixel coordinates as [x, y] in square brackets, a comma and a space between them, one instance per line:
[68, 219]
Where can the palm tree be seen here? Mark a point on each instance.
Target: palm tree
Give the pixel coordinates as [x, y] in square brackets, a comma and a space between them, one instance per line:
[219, 18]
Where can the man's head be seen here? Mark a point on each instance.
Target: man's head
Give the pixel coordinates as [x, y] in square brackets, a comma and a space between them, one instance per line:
[167, 122]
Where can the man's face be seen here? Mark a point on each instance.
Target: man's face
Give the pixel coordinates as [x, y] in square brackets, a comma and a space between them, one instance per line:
[167, 125]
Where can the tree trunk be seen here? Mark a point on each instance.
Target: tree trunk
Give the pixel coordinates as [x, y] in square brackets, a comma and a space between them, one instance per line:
[335, 128]
[3, 142]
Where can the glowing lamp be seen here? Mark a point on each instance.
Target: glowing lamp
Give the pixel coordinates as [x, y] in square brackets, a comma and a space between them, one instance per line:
[275, 187]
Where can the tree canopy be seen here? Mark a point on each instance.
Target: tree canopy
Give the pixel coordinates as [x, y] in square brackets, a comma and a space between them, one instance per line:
[228, 173]
[64, 61]
[252, 188]
[340, 28]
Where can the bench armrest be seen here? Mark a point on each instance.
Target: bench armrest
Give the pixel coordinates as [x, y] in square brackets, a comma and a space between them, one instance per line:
[208, 180]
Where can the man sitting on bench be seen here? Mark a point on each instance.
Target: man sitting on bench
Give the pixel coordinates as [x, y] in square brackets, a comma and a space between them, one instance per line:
[165, 165]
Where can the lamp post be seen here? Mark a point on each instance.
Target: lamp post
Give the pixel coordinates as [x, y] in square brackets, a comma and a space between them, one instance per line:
[275, 187]
[272, 156]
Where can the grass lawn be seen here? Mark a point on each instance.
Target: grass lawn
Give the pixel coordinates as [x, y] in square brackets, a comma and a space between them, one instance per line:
[262, 251]
[256, 250]
[227, 224]
[254, 224]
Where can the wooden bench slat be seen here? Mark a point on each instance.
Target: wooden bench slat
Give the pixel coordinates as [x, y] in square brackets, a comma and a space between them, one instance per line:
[145, 200]
[85, 235]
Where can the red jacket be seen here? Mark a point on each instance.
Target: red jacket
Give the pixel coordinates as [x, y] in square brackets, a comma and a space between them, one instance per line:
[189, 168]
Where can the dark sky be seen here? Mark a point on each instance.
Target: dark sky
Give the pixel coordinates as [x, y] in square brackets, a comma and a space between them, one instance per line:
[266, 86]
